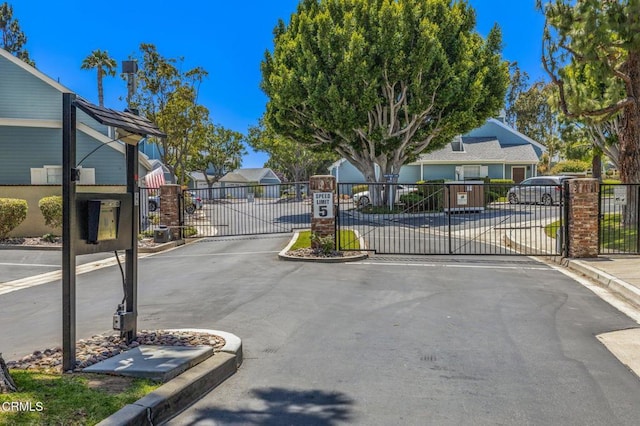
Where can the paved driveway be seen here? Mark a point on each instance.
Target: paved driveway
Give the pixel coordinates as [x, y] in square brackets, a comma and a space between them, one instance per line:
[392, 340]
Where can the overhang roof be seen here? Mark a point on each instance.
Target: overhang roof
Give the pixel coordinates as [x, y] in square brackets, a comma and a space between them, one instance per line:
[121, 120]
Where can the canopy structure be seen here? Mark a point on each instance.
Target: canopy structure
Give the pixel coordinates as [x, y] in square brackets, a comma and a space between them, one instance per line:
[127, 125]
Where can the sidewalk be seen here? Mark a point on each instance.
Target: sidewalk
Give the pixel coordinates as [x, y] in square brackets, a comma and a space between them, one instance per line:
[618, 273]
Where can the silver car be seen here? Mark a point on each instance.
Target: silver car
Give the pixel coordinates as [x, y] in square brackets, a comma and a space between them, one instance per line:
[545, 190]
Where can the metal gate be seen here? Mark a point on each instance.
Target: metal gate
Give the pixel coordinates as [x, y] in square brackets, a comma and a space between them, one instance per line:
[619, 219]
[246, 209]
[452, 218]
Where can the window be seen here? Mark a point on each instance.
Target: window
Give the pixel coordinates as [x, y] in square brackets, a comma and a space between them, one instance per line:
[52, 175]
[457, 145]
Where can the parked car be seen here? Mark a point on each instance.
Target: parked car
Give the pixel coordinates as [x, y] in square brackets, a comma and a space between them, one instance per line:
[362, 199]
[545, 190]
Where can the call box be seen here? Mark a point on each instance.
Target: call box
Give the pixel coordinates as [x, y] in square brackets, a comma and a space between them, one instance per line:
[102, 220]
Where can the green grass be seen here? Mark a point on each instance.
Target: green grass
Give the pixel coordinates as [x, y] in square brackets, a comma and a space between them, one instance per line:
[613, 235]
[552, 228]
[348, 240]
[67, 399]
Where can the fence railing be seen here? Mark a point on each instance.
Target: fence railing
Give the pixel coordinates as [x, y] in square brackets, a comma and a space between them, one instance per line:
[453, 218]
[619, 219]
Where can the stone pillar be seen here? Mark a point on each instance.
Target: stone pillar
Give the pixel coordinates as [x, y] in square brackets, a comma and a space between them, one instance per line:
[170, 209]
[583, 218]
[323, 190]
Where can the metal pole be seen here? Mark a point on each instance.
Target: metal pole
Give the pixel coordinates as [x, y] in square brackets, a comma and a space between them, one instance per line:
[68, 234]
[131, 254]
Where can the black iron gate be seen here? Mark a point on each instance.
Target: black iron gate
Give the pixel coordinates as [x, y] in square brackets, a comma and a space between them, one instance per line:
[246, 209]
[451, 218]
[619, 219]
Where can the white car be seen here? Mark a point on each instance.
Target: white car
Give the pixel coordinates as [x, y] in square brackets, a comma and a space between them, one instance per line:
[362, 199]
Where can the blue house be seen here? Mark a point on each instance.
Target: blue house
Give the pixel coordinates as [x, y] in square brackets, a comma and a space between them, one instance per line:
[31, 133]
[493, 150]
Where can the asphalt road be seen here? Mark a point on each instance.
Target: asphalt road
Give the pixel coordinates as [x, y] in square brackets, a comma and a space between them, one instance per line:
[392, 340]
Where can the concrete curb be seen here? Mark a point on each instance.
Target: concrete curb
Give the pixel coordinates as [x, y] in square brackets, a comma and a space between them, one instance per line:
[179, 393]
[357, 255]
[625, 290]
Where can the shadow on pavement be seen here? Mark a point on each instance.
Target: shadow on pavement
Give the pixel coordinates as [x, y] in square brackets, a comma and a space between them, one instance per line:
[290, 407]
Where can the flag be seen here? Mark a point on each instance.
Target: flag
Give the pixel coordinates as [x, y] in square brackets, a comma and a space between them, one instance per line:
[155, 179]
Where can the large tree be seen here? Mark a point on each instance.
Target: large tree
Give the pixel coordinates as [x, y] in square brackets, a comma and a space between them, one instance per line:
[104, 65]
[12, 38]
[592, 54]
[221, 150]
[381, 81]
[293, 160]
[168, 96]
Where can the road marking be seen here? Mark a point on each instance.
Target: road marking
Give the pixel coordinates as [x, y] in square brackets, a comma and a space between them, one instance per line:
[222, 254]
[43, 265]
[529, 268]
[48, 277]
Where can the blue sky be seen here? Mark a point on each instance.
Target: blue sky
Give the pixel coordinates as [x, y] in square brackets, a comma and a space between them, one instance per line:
[226, 38]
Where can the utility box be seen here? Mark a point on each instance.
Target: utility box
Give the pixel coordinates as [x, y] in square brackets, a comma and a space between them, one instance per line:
[102, 220]
[161, 235]
[465, 196]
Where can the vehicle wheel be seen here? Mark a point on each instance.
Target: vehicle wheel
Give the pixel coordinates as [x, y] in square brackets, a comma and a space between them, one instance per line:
[363, 201]
[153, 206]
[547, 200]
[190, 209]
[513, 198]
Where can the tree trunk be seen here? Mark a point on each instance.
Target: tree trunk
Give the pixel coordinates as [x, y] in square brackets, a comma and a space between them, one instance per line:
[6, 382]
[596, 165]
[630, 145]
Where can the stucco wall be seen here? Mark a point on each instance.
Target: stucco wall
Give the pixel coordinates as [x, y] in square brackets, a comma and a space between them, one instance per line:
[34, 226]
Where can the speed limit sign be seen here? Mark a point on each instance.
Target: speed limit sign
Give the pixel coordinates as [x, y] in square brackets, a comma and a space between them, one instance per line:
[323, 205]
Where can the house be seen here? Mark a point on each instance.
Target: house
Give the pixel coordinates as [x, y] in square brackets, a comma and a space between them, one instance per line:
[31, 133]
[493, 150]
[237, 184]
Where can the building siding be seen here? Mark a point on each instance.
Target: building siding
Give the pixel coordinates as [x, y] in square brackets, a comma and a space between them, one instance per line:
[26, 96]
[24, 148]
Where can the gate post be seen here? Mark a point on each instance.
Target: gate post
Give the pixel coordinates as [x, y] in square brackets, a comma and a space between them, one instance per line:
[323, 221]
[583, 212]
[170, 209]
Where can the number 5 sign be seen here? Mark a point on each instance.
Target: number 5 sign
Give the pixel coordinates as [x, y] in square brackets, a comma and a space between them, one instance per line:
[323, 205]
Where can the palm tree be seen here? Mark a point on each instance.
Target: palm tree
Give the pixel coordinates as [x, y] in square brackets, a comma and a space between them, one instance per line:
[104, 64]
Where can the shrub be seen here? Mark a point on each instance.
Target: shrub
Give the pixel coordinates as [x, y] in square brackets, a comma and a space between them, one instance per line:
[570, 166]
[51, 208]
[256, 189]
[13, 212]
[432, 193]
[500, 187]
[325, 245]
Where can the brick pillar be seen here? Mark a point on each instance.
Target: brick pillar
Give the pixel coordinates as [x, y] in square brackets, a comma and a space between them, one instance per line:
[323, 221]
[170, 209]
[583, 218]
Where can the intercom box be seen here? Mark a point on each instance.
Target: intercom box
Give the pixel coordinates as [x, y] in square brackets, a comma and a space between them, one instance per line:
[102, 220]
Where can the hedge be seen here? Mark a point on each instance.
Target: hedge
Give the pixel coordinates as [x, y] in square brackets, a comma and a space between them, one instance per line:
[13, 212]
[51, 208]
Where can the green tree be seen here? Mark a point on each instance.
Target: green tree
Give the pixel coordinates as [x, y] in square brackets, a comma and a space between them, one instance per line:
[12, 38]
[592, 54]
[221, 149]
[518, 84]
[104, 65]
[381, 81]
[169, 97]
[294, 160]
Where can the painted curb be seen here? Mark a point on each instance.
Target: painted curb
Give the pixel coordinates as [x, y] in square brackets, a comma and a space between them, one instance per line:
[350, 258]
[179, 393]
